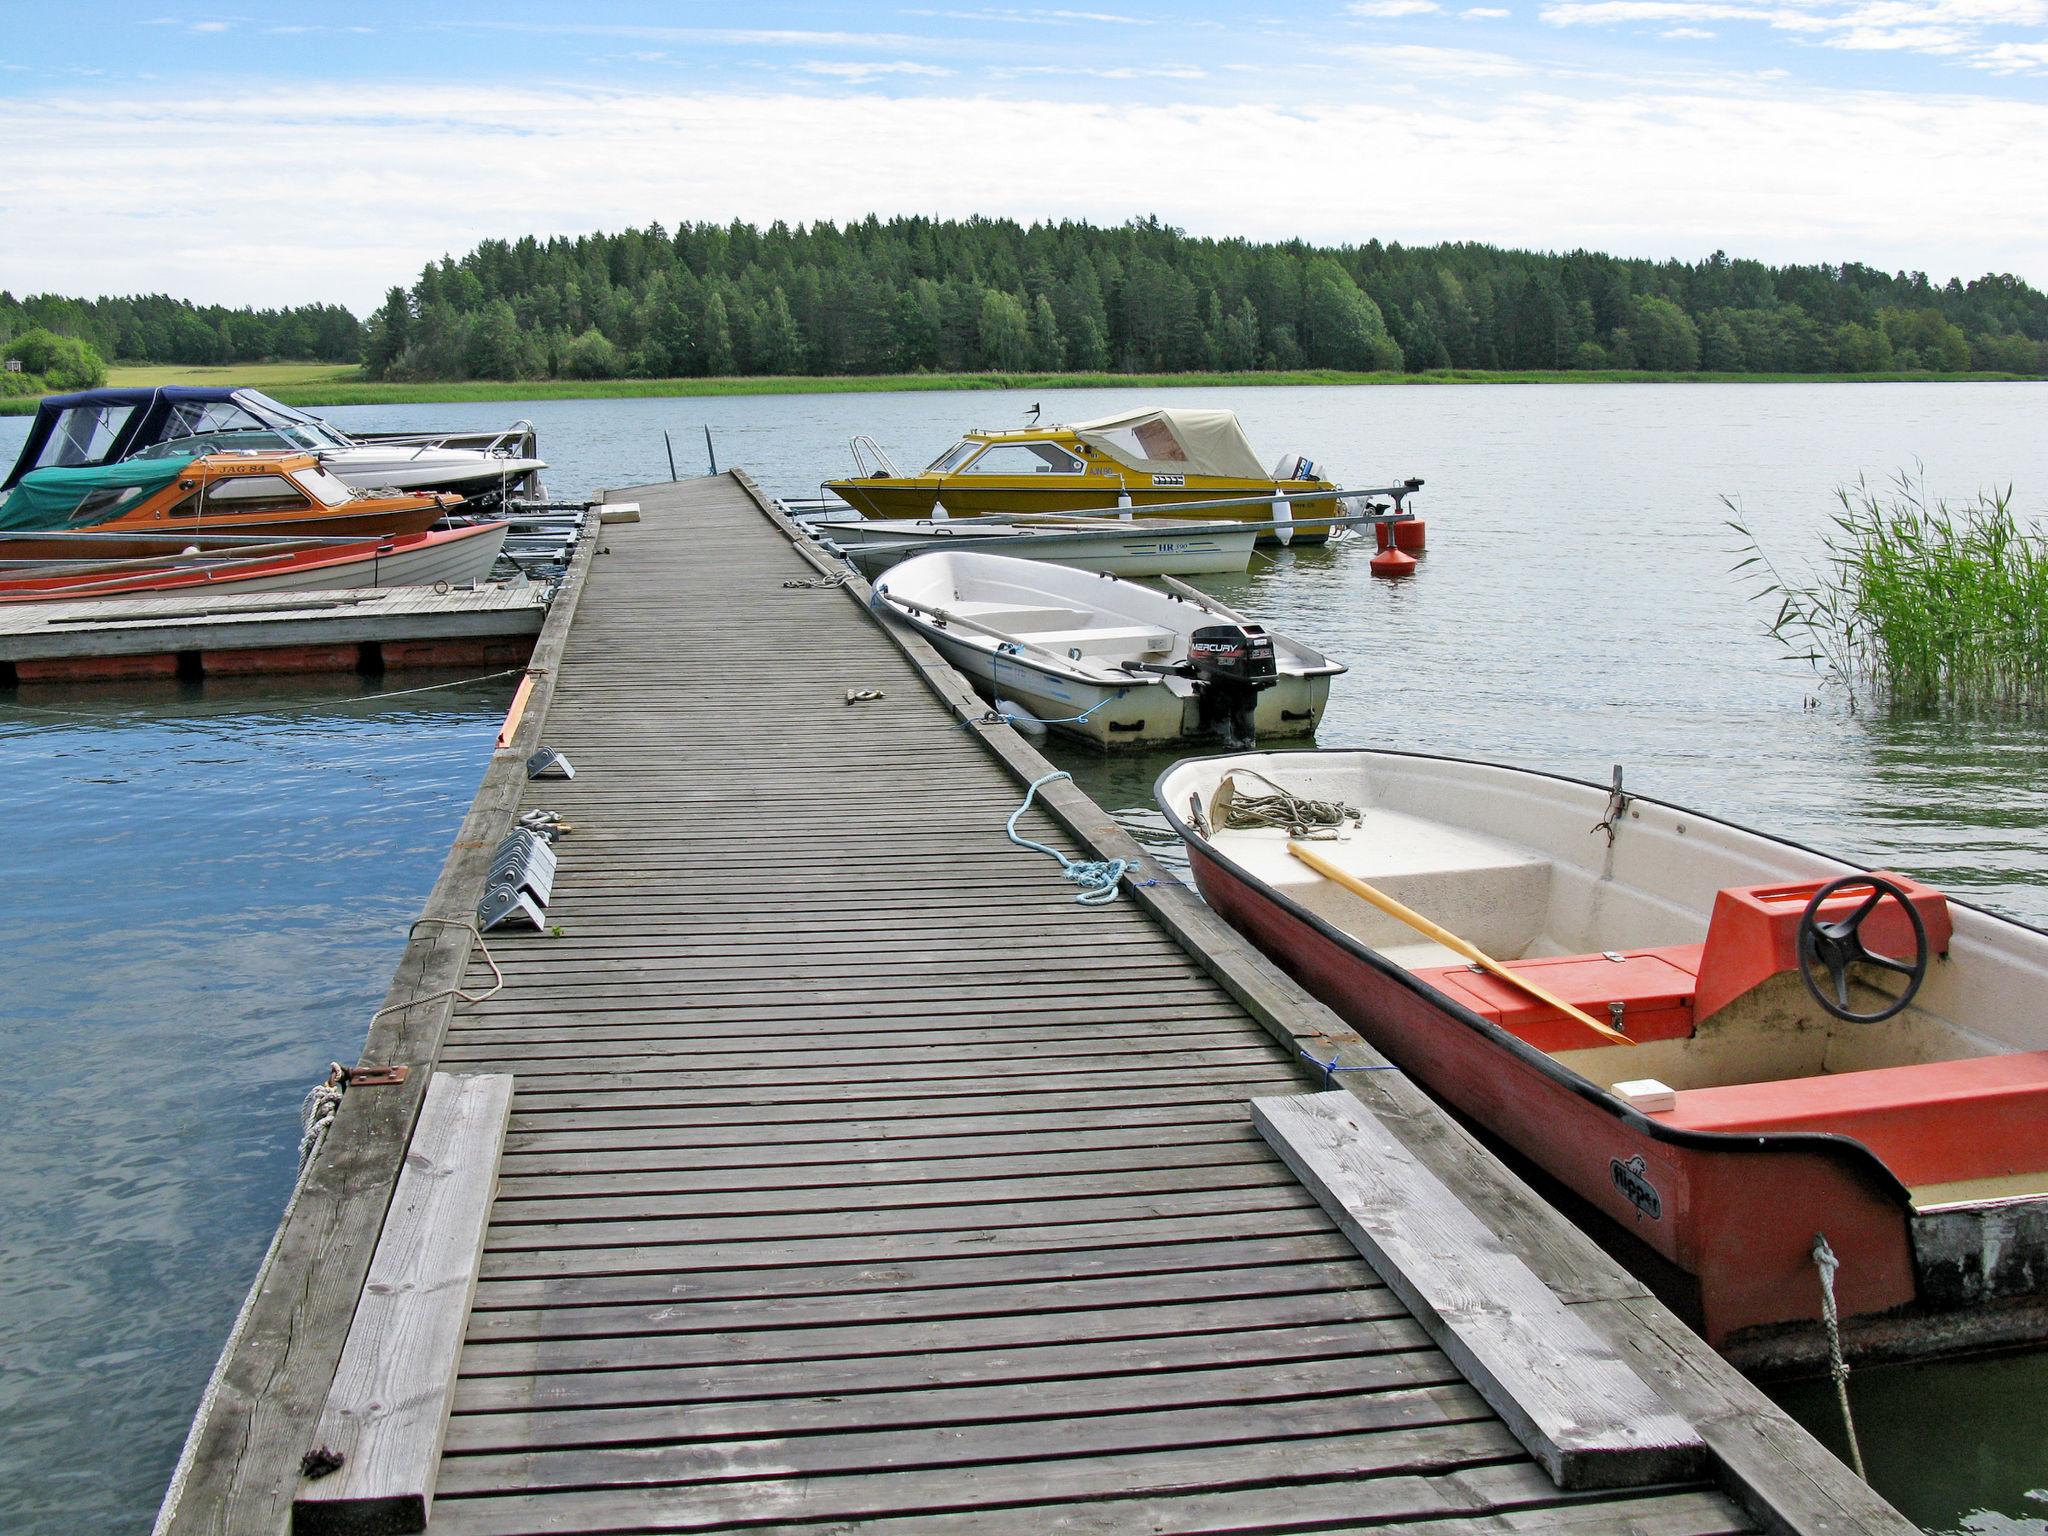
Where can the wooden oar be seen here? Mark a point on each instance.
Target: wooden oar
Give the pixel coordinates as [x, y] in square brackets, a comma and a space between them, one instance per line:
[1450, 941]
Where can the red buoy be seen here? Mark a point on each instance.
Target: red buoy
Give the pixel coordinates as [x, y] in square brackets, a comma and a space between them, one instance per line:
[1383, 535]
[1409, 536]
[1392, 562]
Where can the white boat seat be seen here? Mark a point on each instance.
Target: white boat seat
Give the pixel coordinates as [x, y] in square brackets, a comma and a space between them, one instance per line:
[1013, 618]
[1488, 891]
[1102, 640]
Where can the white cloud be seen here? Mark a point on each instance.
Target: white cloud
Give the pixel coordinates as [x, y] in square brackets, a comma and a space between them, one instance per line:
[1037, 18]
[1416, 58]
[1939, 28]
[1484, 12]
[1686, 32]
[1782, 172]
[1384, 9]
[857, 70]
[2014, 58]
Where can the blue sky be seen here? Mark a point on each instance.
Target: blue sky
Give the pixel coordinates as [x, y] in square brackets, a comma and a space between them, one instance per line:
[275, 155]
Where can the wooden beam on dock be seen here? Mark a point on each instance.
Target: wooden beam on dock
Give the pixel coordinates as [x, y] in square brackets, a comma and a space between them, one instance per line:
[374, 1455]
[1569, 1398]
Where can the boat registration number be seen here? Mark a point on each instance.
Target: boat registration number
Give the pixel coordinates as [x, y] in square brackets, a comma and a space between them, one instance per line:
[1170, 480]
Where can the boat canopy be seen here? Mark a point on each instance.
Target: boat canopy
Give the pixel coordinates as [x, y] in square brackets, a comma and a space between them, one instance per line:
[104, 426]
[1176, 442]
[64, 498]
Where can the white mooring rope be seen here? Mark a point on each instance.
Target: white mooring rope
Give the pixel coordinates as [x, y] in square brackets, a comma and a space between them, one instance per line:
[1825, 1261]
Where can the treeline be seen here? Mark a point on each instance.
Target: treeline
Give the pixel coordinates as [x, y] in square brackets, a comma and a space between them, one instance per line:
[155, 328]
[912, 294]
[919, 294]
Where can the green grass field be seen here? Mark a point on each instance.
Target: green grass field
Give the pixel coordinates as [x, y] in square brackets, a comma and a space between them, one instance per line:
[311, 384]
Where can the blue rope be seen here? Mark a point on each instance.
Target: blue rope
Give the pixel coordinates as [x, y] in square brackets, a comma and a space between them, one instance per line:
[995, 716]
[1098, 879]
[1331, 1067]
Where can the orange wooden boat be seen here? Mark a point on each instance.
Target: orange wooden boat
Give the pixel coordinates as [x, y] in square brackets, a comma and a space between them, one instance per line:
[1803, 1051]
[160, 500]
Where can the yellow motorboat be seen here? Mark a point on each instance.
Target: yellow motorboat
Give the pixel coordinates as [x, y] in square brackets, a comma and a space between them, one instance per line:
[1142, 462]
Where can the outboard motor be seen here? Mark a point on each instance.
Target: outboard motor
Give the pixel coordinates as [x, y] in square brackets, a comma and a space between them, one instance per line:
[1230, 666]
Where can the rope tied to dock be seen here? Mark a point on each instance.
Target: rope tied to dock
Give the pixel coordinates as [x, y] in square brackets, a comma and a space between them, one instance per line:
[1300, 815]
[1334, 1065]
[817, 583]
[316, 1111]
[1825, 1261]
[1097, 878]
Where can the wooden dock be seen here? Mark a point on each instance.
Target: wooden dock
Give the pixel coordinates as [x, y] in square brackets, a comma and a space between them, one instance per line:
[857, 1177]
[194, 635]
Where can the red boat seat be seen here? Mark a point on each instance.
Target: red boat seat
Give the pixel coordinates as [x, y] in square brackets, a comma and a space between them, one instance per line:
[1754, 933]
[1654, 986]
[1934, 1122]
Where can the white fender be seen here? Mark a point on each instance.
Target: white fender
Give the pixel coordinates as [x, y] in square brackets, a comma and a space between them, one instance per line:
[1283, 514]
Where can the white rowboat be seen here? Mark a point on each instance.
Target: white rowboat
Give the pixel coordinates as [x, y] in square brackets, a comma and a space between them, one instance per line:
[1105, 660]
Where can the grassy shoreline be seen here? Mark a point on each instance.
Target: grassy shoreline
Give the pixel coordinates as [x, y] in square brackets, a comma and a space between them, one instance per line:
[309, 384]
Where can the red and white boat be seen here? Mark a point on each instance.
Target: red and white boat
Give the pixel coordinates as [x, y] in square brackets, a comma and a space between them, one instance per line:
[456, 556]
[1818, 1051]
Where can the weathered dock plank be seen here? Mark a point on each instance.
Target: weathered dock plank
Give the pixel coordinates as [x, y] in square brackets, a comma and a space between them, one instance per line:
[379, 1436]
[1568, 1396]
[858, 1178]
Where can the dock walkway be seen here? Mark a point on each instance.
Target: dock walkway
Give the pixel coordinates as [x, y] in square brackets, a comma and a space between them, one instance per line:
[858, 1177]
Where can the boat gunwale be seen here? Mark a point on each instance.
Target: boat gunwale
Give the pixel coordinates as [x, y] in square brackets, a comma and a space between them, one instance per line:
[1832, 1143]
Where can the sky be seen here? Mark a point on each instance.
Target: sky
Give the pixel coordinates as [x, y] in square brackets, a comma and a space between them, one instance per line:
[276, 155]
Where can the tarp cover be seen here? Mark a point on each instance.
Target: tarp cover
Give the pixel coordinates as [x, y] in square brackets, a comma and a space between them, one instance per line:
[1176, 442]
[47, 498]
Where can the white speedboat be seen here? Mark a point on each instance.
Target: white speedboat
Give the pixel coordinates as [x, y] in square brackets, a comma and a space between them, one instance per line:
[1109, 661]
[1120, 547]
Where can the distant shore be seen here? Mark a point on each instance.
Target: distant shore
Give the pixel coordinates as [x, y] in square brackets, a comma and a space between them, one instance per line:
[316, 384]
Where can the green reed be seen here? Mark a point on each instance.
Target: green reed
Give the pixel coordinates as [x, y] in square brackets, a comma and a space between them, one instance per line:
[1918, 604]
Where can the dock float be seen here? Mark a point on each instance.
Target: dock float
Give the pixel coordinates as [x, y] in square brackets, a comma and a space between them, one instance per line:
[193, 635]
[856, 1177]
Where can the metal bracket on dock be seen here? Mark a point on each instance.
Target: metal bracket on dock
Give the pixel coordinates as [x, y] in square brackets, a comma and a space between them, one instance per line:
[374, 1077]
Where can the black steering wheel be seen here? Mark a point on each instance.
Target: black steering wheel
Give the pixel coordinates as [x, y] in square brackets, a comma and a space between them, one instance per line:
[1834, 947]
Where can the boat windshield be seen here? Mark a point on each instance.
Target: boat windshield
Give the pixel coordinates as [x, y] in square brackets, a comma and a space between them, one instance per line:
[235, 440]
[307, 431]
[331, 489]
[1025, 459]
[952, 458]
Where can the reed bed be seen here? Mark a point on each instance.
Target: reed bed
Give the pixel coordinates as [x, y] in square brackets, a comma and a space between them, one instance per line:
[1918, 604]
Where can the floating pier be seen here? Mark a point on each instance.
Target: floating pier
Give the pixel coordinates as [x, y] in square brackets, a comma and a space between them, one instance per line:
[851, 1175]
[234, 635]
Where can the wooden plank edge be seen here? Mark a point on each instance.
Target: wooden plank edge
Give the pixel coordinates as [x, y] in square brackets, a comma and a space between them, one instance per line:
[451, 1181]
[1784, 1478]
[239, 1465]
[1593, 1424]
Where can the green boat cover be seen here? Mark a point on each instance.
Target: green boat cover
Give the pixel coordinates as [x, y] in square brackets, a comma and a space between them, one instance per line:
[78, 498]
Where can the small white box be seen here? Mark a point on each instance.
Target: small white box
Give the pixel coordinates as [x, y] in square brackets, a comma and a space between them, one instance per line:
[1647, 1095]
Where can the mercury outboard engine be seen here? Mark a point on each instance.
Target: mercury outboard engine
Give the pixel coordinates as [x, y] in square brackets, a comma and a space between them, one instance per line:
[1230, 666]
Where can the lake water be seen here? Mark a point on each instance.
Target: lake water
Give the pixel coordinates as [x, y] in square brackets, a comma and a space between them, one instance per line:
[211, 885]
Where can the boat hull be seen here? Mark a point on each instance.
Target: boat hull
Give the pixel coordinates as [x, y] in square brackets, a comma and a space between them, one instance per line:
[387, 522]
[457, 556]
[1140, 714]
[1130, 551]
[918, 496]
[1722, 1223]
